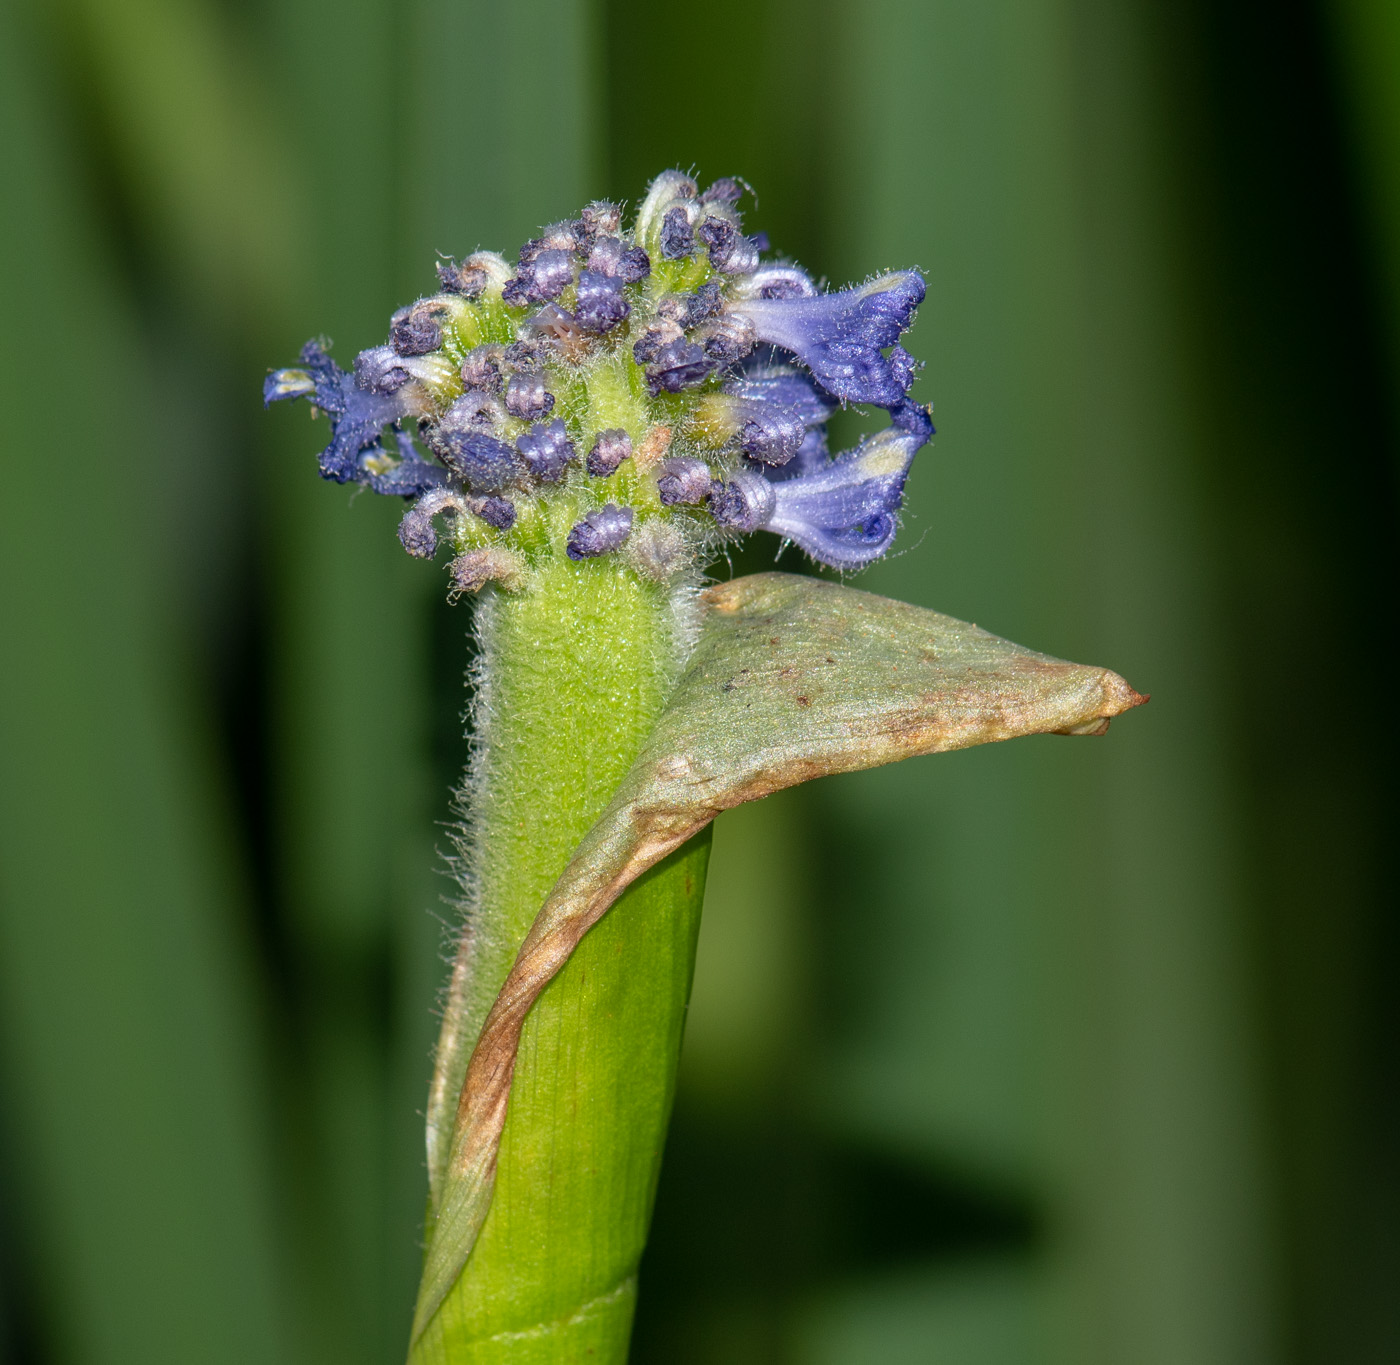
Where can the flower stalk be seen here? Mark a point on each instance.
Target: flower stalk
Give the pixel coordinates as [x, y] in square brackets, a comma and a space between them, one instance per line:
[575, 672]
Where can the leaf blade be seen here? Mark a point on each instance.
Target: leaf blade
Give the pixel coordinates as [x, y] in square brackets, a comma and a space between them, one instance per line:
[793, 678]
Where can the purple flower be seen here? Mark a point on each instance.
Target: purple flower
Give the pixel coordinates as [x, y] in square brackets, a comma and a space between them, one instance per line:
[842, 512]
[841, 337]
[405, 477]
[357, 414]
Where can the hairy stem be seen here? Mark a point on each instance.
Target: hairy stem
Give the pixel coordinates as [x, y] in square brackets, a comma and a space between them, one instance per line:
[575, 670]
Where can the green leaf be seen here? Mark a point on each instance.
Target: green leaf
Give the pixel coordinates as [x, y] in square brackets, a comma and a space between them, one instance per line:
[793, 678]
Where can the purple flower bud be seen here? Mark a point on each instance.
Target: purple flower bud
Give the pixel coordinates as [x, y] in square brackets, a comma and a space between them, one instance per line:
[527, 397]
[669, 189]
[609, 451]
[482, 368]
[546, 450]
[497, 512]
[702, 304]
[726, 190]
[718, 234]
[677, 240]
[840, 337]
[600, 532]
[677, 365]
[727, 339]
[417, 534]
[744, 503]
[483, 462]
[601, 218]
[600, 304]
[414, 331]
[683, 480]
[648, 346]
[475, 410]
[553, 274]
[769, 434]
[613, 257]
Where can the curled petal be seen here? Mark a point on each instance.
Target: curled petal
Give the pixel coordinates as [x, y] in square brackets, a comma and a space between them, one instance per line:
[745, 503]
[416, 530]
[840, 337]
[776, 282]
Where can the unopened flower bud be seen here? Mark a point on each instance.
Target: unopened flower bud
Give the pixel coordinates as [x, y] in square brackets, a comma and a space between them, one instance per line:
[683, 480]
[600, 532]
[600, 305]
[610, 449]
[414, 331]
[416, 530]
[527, 397]
[546, 450]
[677, 239]
[482, 368]
[601, 218]
[497, 512]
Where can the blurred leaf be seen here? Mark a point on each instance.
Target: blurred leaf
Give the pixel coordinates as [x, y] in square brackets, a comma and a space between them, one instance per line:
[1368, 33]
[197, 144]
[793, 679]
[130, 1026]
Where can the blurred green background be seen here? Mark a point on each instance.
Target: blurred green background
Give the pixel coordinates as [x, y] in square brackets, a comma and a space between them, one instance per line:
[1054, 1053]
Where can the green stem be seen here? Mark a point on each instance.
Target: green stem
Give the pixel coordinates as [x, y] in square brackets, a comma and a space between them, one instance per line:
[576, 669]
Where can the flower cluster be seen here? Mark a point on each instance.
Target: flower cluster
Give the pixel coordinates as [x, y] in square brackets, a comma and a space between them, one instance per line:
[645, 394]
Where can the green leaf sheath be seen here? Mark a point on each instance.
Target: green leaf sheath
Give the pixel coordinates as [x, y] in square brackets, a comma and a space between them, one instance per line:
[575, 670]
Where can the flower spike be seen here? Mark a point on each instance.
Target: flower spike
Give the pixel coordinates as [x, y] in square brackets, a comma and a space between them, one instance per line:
[663, 366]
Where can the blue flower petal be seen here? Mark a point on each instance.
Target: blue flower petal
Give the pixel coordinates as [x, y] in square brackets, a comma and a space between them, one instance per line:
[841, 337]
[357, 416]
[843, 513]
